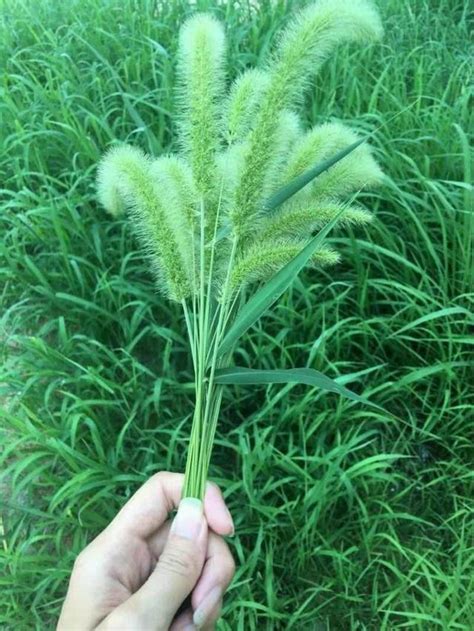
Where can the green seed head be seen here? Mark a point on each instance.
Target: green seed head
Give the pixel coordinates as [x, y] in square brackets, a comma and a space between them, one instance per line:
[244, 100]
[146, 189]
[237, 151]
[356, 171]
[201, 75]
[265, 258]
[300, 219]
[306, 43]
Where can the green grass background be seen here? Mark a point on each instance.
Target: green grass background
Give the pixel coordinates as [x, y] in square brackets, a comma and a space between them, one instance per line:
[346, 518]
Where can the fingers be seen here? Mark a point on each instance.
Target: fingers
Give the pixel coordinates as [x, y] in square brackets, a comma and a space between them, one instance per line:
[184, 622]
[219, 565]
[155, 604]
[209, 610]
[144, 513]
[217, 514]
[218, 570]
[217, 573]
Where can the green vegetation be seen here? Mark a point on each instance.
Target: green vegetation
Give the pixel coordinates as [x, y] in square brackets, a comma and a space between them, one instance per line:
[346, 518]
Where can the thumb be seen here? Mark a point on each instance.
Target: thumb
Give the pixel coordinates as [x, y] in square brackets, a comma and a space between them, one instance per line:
[155, 604]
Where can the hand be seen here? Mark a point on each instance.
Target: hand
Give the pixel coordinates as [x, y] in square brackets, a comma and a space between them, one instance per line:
[136, 574]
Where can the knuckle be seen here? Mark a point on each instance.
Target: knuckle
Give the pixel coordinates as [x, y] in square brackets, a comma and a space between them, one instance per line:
[180, 561]
[82, 561]
[214, 488]
[167, 481]
[90, 554]
[160, 476]
[229, 564]
[226, 560]
[226, 564]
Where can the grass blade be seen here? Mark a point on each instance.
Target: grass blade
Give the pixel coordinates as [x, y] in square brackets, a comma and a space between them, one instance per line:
[273, 289]
[290, 189]
[308, 376]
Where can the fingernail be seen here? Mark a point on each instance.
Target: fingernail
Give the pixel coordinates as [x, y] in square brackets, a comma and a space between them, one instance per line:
[204, 610]
[232, 533]
[188, 520]
[190, 627]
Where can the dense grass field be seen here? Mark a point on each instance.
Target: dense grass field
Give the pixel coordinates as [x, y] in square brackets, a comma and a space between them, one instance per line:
[346, 518]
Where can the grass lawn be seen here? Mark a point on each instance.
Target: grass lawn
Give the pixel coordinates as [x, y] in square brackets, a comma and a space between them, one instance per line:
[346, 518]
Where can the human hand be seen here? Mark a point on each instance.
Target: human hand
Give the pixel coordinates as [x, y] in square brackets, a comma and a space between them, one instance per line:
[136, 574]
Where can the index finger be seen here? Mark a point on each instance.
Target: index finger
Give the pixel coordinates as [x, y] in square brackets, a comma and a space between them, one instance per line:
[148, 508]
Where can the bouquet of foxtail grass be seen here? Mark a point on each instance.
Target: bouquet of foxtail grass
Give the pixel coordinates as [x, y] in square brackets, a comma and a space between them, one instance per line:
[230, 221]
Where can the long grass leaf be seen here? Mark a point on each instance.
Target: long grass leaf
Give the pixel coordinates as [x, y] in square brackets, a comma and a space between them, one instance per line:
[290, 189]
[273, 289]
[441, 313]
[308, 376]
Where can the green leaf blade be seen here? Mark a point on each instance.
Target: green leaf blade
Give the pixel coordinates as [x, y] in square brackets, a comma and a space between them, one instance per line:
[273, 289]
[238, 375]
[293, 187]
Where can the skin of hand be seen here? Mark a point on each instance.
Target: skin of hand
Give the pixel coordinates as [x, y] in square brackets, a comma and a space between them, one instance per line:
[137, 573]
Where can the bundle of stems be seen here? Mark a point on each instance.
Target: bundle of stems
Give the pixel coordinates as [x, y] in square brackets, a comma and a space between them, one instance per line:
[248, 202]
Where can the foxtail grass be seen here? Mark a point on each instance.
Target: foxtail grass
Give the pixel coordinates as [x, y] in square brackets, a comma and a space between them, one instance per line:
[203, 217]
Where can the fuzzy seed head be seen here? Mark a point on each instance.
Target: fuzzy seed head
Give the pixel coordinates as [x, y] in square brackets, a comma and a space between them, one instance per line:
[356, 171]
[303, 47]
[201, 55]
[110, 190]
[133, 177]
[266, 258]
[300, 219]
[312, 36]
[245, 96]
[238, 151]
